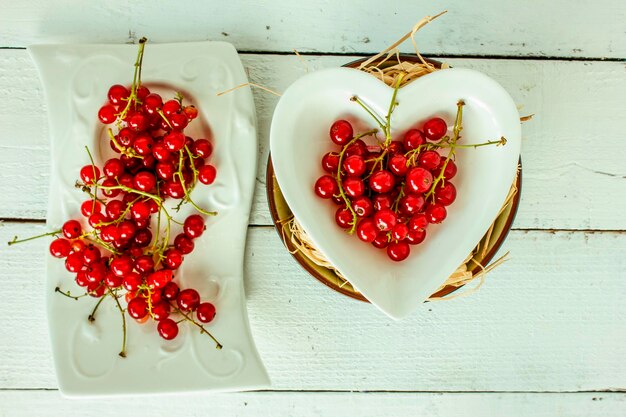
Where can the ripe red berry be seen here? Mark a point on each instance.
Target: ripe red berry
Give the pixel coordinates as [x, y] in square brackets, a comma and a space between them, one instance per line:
[353, 187]
[132, 281]
[363, 206]
[411, 204]
[140, 210]
[173, 258]
[170, 291]
[118, 94]
[191, 112]
[89, 207]
[436, 213]
[71, 229]
[91, 254]
[445, 194]
[144, 181]
[381, 241]
[205, 312]
[341, 132]
[398, 165]
[113, 168]
[137, 308]
[188, 299]
[107, 114]
[74, 262]
[160, 310]
[413, 139]
[419, 179]
[330, 162]
[450, 170]
[60, 248]
[366, 230]
[160, 278]
[122, 265]
[343, 217]
[382, 201]
[385, 219]
[398, 251]
[96, 289]
[202, 148]
[435, 128]
[418, 222]
[174, 141]
[193, 226]
[206, 174]
[399, 232]
[184, 244]
[354, 165]
[89, 174]
[113, 281]
[167, 328]
[170, 107]
[326, 187]
[429, 160]
[415, 237]
[382, 181]
[152, 103]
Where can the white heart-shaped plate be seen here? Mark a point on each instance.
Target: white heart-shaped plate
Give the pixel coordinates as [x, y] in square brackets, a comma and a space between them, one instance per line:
[299, 138]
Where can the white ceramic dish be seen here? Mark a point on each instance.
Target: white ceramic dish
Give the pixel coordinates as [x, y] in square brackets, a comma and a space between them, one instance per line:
[76, 79]
[299, 138]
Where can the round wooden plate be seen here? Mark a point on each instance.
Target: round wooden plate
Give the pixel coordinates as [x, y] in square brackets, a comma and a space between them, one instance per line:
[281, 214]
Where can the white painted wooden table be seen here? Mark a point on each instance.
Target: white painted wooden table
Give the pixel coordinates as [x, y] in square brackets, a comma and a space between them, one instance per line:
[546, 334]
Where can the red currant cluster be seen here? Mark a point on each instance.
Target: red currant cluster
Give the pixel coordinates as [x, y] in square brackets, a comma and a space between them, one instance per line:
[391, 191]
[116, 254]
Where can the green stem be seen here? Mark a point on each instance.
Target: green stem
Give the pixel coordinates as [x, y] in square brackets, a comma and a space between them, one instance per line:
[121, 310]
[218, 345]
[369, 111]
[69, 295]
[92, 316]
[16, 240]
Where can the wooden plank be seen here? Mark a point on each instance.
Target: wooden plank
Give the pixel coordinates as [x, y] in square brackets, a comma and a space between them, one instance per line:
[326, 404]
[573, 169]
[551, 319]
[492, 27]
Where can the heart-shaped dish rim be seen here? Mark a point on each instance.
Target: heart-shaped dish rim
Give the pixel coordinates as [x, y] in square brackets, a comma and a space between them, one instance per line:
[479, 91]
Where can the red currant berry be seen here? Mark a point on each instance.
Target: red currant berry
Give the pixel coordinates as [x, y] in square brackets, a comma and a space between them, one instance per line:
[107, 189]
[173, 258]
[398, 165]
[113, 281]
[435, 128]
[89, 174]
[170, 107]
[419, 179]
[144, 181]
[385, 220]
[343, 217]
[326, 187]
[107, 114]
[122, 265]
[191, 112]
[138, 122]
[179, 121]
[114, 209]
[399, 232]
[381, 241]
[74, 262]
[140, 210]
[143, 237]
[160, 278]
[206, 174]
[161, 152]
[118, 94]
[160, 310]
[202, 148]
[382, 201]
[411, 204]
[96, 289]
[152, 103]
[113, 168]
[127, 230]
[395, 147]
[188, 300]
[354, 165]
[81, 279]
[445, 194]
[142, 92]
[137, 308]
[143, 144]
[363, 206]
[205, 312]
[144, 264]
[170, 291]
[450, 170]
[341, 132]
[358, 148]
[415, 237]
[174, 189]
[95, 272]
[71, 229]
[436, 213]
[96, 220]
[167, 328]
[126, 136]
[366, 230]
[418, 222]
[60, 248]
[90, 207]
[132, 281]
[413, 139]
[184, 244]
[91, 254]
[398, 251]
[429, 160]
[382, 181]
[174, 141]
[330, 162]
[353, 187]
[78, 246]
[193, 226]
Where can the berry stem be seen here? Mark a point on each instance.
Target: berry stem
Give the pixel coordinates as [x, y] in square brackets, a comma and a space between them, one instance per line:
[92, 316]
[17, 240]
[129, 152]
[339, 181]
[121, 310]
[179, 174]
[164, 118]
[369, 111]
[392, 106]
[218, 345]
[132, 98]
[69, 295]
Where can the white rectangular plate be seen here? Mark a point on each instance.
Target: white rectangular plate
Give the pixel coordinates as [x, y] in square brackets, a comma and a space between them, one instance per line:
[76, 79]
